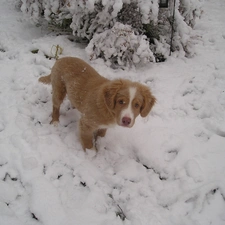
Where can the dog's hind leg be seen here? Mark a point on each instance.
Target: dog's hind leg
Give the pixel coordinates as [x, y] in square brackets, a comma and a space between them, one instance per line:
[86, 135]
[58, 94]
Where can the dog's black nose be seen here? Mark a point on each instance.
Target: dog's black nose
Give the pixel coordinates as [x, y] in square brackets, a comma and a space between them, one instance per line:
[126, 121]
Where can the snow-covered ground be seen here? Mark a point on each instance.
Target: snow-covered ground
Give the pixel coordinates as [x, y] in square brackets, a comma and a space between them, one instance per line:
[169, 169]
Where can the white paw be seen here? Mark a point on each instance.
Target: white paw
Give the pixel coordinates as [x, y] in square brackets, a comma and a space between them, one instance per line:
[55, 123]
[91, 153]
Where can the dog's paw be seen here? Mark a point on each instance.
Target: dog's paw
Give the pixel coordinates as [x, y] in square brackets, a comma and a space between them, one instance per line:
[91, 153]
[55, 123]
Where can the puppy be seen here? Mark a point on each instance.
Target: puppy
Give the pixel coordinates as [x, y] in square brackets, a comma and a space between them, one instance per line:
[102, 102]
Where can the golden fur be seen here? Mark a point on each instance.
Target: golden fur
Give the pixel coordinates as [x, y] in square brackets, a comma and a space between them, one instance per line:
[99, 100]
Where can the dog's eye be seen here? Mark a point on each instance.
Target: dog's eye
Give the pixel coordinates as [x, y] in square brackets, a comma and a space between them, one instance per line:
[121, 102]
[136, 105]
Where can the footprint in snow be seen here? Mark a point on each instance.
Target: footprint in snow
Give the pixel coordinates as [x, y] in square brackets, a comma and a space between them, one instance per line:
[215, 127]
[202, 135]
[193, 170]
[29, 162]
[221, 98]
[45, 203]
[212, 40]
[171, 154]
[171, 148]
[2, 126]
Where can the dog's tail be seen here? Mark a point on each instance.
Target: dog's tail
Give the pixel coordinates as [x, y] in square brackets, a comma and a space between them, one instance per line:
[45, 79]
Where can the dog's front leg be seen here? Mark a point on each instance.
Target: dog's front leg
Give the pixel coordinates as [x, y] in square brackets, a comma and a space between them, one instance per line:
[101, 133]
[98, 133]
[86, 135]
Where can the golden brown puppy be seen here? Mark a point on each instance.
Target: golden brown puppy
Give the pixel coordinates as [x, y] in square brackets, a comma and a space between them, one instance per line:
[102, 102]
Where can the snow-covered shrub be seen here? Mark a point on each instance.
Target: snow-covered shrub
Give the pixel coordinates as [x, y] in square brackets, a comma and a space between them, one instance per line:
[120, 46]
[190, 10]
[161, 49]
[90, 19]
[130, 15]
[95, 16]
[55, 12]
[186, 12]
[95, 20]
[32, 8]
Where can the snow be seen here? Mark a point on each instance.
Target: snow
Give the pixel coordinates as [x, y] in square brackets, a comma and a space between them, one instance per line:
[167, 170]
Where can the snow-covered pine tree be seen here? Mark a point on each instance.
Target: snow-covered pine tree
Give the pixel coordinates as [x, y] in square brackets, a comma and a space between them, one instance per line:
[138, 30]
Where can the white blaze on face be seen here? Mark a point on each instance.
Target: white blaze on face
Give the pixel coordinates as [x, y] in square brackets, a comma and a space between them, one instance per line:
[128, 113]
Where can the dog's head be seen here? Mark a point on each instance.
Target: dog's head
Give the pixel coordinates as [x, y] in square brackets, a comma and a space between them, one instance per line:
[127, 100]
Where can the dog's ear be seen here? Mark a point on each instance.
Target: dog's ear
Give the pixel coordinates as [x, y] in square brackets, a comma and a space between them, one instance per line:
[149, 101]
[110, 92]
